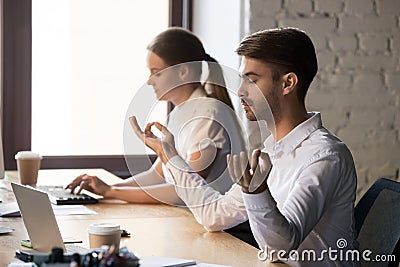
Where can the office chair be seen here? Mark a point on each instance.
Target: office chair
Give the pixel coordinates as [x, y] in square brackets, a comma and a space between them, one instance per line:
[377, 221]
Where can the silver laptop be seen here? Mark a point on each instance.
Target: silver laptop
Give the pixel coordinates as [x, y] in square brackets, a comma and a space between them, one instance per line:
[40, 221]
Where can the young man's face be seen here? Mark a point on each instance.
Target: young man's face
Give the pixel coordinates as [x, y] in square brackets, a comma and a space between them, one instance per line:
[259, 93]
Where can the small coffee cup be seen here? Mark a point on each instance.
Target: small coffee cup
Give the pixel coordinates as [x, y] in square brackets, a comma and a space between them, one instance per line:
[104, 234]
[28, 165]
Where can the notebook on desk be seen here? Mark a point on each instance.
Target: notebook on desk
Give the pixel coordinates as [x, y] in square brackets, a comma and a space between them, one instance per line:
[59, 196]
[40, 221]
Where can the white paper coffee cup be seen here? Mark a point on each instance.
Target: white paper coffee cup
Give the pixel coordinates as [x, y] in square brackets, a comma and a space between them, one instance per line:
[28, 165]
[104, 234]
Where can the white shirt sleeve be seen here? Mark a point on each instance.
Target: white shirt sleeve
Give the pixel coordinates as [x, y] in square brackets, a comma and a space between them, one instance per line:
[312, 193]
[213, 210]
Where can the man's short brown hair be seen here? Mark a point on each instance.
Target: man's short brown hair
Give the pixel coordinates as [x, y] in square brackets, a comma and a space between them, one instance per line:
[288, 49]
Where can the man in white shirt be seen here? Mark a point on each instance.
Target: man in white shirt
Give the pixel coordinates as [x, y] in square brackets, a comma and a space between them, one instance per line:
[300, 210]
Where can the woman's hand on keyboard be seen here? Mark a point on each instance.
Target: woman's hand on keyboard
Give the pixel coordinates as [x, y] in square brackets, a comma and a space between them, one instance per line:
[90, 183]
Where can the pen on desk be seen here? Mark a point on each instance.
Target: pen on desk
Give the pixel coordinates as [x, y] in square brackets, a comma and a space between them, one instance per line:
[73, 242]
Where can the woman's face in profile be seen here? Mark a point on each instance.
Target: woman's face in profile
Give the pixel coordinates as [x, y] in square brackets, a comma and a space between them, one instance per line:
[162, 78]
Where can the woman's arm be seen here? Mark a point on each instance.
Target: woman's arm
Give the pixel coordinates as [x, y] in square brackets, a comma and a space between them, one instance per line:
[95, 185]
[152, 176]
[146, 187]
[159, 193]
[150, 186]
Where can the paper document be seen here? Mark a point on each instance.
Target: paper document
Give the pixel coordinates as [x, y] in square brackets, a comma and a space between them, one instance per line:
[4, 187]
[21, 264]
[62, 210]
[9, 210]
[12, 210]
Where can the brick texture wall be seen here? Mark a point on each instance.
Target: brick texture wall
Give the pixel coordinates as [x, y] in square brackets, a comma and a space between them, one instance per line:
[357, 88]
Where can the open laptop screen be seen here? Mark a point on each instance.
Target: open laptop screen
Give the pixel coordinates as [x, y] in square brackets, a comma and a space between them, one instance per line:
[38, 217]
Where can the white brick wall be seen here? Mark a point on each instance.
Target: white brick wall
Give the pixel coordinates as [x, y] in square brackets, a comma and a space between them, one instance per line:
[343, 43]
[388, 7]
[370, 23]
[358, 7]
[295, 6]
[357, 88]
[328, 6]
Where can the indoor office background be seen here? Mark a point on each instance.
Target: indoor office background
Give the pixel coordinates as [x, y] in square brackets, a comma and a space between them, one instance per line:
[356, 89]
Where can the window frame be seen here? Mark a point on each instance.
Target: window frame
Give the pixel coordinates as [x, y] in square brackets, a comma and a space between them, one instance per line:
[16, 90]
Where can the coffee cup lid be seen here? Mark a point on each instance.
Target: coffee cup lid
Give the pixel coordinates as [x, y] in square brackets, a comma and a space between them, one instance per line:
[27, 155]
[103, 228]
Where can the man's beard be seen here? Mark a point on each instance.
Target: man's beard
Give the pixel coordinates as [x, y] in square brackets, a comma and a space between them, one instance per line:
[272, 103]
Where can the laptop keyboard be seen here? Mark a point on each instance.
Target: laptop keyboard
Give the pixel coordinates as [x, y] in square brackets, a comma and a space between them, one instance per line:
[60, 196]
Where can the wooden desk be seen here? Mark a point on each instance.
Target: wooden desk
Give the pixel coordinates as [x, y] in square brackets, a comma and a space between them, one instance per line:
[159, 230]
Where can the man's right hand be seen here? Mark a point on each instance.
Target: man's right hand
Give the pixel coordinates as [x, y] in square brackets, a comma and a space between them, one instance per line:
[164, 147]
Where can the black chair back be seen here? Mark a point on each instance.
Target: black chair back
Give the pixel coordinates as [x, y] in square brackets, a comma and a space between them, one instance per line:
[377, 221]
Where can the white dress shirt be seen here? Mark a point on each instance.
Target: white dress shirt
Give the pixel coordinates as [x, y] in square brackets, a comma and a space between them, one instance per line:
[309, 203]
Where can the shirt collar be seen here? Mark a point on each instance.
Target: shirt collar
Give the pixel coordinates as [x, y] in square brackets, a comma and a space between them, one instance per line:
[197, 93]
[295, 137]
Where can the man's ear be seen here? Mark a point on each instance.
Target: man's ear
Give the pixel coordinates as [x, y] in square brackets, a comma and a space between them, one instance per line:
[290, 81]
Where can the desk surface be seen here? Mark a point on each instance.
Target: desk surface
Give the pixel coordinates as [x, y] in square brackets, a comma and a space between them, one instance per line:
[156, 229]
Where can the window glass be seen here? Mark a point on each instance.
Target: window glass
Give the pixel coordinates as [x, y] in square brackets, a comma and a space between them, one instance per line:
[88, 61]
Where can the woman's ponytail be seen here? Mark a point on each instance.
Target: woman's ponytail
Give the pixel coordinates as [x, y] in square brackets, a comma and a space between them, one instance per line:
[215, 83]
